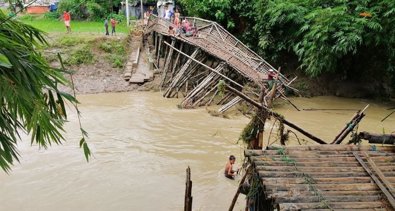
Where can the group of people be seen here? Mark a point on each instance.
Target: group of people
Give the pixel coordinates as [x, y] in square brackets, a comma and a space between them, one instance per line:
[179, 27]
[67, 20]
[113, 24]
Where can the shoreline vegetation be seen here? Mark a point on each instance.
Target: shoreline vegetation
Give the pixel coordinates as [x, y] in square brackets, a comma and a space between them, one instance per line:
[88, 51]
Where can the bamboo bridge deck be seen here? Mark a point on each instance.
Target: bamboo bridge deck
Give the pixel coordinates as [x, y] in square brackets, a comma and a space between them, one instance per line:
[326, 177]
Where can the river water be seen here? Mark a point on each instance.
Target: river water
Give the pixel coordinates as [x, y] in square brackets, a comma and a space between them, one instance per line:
[142, 144]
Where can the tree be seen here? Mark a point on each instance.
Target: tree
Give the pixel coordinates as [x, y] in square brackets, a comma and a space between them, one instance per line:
[327, 35]
[30, 100]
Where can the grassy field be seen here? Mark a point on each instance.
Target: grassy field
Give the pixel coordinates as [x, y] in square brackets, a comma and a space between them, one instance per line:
[76, 26]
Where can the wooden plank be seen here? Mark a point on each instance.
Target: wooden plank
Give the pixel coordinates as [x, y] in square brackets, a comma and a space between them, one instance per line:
[310, 199]
[367, 209]
[332, 205]
[322, 187]
[380, 173]
[298, 180]
[278, 194]
[312, 174]
[310, 169]
[390, 198]
[324, 163]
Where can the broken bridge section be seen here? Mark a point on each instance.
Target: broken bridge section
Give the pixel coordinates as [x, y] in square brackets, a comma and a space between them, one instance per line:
[195, 64]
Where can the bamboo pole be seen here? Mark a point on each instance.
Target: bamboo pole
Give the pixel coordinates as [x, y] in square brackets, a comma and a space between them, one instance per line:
[350, 126]
[167, 63]
[180, 73]
[176, 62]
[159, 49]
[202, 85]
[276, 115]
[204, 65]
[232, 205]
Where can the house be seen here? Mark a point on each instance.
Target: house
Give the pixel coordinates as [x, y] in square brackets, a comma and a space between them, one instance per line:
[39, 6]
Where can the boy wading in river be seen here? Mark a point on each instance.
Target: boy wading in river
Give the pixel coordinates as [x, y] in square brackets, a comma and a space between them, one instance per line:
[229, 173]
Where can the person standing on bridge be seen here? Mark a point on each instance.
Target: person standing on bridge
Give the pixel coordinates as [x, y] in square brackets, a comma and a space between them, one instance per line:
[168, 13]
[177, 18]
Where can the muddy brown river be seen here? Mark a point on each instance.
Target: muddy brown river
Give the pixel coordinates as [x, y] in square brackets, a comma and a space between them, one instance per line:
[142, 144]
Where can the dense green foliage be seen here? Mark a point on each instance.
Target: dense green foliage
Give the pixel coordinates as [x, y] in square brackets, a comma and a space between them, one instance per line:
[352, 37]
[30, 101]
[88, 9]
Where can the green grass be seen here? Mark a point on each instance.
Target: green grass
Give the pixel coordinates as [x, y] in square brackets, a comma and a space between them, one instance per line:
[76, 26]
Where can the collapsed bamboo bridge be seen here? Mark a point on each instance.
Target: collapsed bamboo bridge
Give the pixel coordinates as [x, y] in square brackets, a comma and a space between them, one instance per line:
[193, 65]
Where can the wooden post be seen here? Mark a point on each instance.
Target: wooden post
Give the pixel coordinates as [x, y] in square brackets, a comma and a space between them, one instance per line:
[167, 63]
[176, 62]
[180, 73]
[159, 49]
[206, 82]
[188, 191]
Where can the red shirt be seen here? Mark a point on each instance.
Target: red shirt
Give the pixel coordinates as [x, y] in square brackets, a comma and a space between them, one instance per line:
[66, 16]
[113, 22]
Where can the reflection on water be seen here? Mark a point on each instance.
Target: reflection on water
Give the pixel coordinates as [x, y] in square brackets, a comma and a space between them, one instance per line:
[142, 145]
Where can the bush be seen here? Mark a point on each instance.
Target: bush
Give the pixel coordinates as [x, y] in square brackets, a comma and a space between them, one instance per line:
[113, 47]
[117, 61]
[83, 55]
[26, 17]
[52, 16]
[78, 12]
[118, 18]
[106, 47]
[69, 41]
[96, 12]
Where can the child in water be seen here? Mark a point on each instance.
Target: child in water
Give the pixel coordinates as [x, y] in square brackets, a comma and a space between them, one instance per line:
[229, 172]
